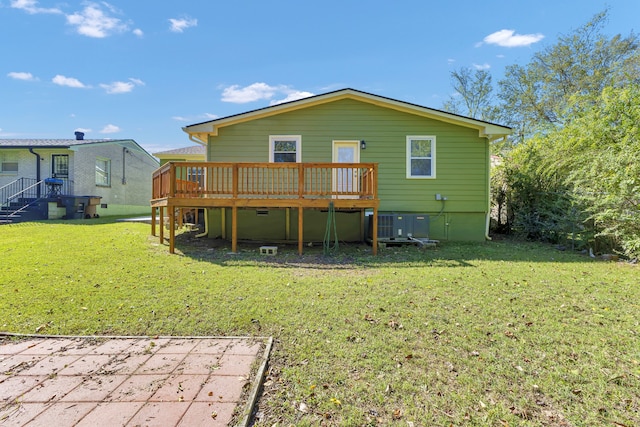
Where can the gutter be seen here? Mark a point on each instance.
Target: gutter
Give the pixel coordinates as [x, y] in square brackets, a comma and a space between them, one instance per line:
[37, 167]
[196, 140]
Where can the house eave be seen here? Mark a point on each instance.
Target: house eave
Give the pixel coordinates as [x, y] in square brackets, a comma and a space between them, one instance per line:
[200, 132]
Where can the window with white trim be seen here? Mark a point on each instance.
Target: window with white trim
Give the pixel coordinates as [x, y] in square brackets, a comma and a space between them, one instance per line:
[8, 164]
[421, 156]
[285, 148]
[103, 172]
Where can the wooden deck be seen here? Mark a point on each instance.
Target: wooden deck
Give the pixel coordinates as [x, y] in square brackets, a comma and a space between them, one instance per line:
[179, 185]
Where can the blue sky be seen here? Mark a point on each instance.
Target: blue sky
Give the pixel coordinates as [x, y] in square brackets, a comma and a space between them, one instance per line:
[143, 69]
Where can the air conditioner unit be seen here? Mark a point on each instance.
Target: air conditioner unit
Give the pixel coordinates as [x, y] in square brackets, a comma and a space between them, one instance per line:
[401, 226]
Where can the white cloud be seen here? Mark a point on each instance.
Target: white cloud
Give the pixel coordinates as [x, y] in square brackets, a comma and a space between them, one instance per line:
[138, 32]
[292, 96]
[31, 6]
[509, 38]
[117, 87]
[21, 76]
[484, 66]
[83, 130]
[93, 21]
[251, 93]
[121, 87]
[137, 82]
[67, 81]
[205, 116]
[179, 25]
[259, 91]
[110, 129]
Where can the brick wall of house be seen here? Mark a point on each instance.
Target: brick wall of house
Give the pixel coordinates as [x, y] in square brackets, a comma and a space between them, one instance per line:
[130, 178]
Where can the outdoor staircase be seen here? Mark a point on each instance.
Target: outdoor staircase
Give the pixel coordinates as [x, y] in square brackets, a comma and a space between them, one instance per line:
[24, 209]
[19, 201]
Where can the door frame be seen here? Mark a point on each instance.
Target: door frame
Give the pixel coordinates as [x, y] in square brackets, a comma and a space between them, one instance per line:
[354, 183]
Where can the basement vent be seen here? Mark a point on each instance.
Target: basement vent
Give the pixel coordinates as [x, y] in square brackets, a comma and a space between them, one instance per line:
[262, 212]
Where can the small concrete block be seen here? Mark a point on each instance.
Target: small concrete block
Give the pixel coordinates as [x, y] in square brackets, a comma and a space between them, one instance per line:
[268, 250]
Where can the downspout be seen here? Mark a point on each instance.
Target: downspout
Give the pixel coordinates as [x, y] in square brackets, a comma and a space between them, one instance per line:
[37, 168]
[124, 152]
[205, 233]
[488, 219]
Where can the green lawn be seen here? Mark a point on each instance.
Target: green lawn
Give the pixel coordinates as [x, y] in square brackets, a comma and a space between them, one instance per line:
[495, 334]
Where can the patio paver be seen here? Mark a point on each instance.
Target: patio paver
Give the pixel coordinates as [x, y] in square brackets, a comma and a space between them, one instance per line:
[129, 381]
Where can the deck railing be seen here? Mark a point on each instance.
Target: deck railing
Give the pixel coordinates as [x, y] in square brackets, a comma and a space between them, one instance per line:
[266, 180]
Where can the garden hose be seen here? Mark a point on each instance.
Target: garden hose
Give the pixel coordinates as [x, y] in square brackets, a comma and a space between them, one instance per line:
[331, 223]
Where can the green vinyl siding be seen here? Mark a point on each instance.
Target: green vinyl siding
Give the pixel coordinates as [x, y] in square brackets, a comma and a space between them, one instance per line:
[461, 155]
[272, 226]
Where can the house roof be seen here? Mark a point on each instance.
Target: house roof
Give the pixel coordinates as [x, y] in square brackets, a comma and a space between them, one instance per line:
[51, 143]
[199, 132]
[71, 144]
[193, 150]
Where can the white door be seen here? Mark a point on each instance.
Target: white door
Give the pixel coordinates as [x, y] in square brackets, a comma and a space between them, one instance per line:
[345, 180]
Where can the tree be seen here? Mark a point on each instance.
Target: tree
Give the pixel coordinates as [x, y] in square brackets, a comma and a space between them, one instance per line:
[537, 97]
[584, 176]
[473, 94]
[604, 171]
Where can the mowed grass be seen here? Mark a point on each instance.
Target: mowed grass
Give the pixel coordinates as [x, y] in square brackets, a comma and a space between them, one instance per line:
[492, 334]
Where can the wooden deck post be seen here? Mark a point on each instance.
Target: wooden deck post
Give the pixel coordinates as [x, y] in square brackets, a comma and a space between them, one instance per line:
[161, 225]
[153, 222]
[172, 230]
[223, 222]
[374, 241]
[234, 229]
[300, 229]
[287, 223]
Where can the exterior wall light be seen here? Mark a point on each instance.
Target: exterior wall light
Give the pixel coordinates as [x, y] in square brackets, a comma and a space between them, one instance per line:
[363, 145]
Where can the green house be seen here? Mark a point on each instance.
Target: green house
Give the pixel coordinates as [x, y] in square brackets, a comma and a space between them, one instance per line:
[370, 155]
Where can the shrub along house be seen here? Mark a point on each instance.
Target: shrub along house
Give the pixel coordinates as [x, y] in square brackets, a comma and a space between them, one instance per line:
[378, 167]
[73, 178]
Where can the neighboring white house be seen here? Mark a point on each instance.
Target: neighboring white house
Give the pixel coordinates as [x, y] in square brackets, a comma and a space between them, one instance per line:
[117, 172]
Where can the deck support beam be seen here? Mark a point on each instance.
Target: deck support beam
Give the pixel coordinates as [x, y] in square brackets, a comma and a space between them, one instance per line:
[234, 229]
[153, 221]
[223, 223]
[374, 238]
[172, 230]
[287, 223]
[300, 229]
[161, 225]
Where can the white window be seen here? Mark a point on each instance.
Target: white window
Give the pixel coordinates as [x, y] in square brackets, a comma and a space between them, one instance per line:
[8, 164]
[421, 156]
[285, 148]
[103, 172]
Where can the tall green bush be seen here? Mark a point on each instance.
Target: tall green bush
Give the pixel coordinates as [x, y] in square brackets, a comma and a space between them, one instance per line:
[540, 204]
[583, 177]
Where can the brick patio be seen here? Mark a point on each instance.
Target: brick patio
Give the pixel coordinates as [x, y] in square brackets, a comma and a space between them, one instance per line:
[165, 381]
